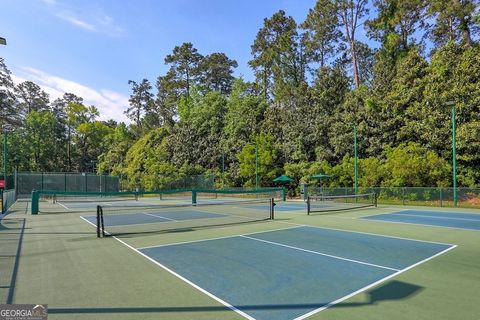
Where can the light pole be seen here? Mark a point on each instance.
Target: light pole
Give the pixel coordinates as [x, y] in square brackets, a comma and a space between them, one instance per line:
[256, 166]
[5, 152]
[355, 158]
[454, 151]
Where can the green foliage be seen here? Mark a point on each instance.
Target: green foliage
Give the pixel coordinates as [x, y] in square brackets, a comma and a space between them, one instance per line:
[411, 165]
[267, 153]
[200, 117]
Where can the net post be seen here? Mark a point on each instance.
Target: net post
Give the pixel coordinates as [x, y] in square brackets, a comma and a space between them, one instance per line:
[35, 200]
[194, 197]
[98, 221]
[308, 205]
[272, 208]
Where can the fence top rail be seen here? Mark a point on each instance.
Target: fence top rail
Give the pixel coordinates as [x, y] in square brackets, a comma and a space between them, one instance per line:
[108, 193]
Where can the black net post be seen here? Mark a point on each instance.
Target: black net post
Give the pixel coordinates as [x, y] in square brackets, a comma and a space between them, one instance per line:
[98, 221]
[272, 208]
[308, 205]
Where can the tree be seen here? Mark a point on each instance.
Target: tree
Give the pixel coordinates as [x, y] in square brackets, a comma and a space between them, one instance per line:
[244, 116]
[63, 132]
[76, 115]
[9, 113]
[184, 62]
[454, 21]
[118, 142]
[90, 144]
[196, 138]
[322, 34]
[141, 101]
[167, 98]
[278, 61]
[267, 154]
[216, 71]
[396, 23]
[350, 12]
[39, 138]
[31, 97]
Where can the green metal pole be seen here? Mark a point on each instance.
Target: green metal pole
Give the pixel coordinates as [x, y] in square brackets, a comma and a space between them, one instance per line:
[454, 156]
[5, 155]
[223, 170]
[256, 166]
[355, 158]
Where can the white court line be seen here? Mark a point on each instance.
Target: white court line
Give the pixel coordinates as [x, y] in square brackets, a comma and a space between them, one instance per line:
[211, 295]
[371, 285]
[93, 224]
[158, 216]
[63, 205]
[217, 238]
[321, 254]
[435, 217]
[367, 233]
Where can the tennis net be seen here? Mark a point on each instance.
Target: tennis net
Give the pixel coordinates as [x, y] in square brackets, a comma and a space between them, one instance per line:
[124, 221]
[321, 203]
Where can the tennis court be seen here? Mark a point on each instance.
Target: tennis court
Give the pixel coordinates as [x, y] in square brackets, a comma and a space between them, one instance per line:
[321, 267]
[459, 220]
[230, 260]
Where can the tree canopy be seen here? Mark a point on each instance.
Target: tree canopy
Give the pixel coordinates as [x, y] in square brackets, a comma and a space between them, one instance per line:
[314, 81]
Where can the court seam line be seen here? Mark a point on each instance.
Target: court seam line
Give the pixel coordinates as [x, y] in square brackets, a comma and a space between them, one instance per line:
[420, 225]
[328, 305]
[211, 295]
[422, 216]
[321, 253]
[216, 238]
[367, 233]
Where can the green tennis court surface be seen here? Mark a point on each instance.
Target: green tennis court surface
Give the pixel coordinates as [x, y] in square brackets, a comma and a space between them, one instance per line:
[333, 266]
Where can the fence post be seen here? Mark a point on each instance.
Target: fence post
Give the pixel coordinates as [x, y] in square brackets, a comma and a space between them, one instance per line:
[441, 197]
[403, 196]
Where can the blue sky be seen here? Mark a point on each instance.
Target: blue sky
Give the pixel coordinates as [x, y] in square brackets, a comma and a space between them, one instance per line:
[92, 48]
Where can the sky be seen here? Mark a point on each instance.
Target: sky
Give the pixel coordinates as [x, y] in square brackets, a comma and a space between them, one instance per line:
[93, 47]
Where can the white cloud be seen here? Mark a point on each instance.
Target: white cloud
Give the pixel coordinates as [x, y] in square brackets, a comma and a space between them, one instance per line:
[77, 22]
[111, 104]
[92, 19]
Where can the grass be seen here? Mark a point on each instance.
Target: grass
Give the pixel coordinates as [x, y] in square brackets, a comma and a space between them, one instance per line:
[58, 260]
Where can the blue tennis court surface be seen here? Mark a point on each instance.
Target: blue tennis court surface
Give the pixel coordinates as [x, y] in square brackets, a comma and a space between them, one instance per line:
[283, 206]
[113, 220]
[290, 273]
[94, 204]
[459, 220]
